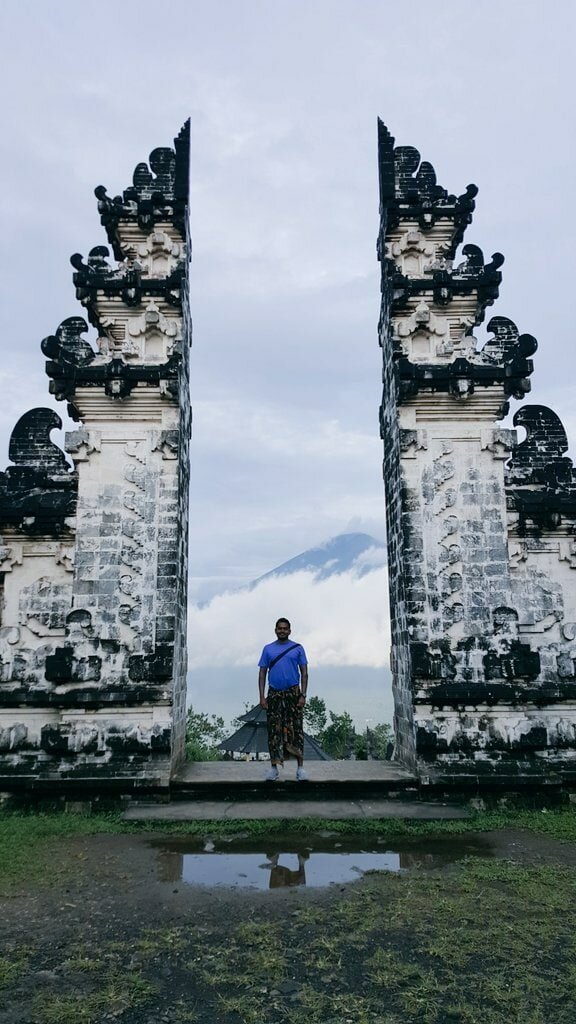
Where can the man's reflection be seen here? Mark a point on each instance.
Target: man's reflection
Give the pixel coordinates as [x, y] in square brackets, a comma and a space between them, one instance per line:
[281, 876]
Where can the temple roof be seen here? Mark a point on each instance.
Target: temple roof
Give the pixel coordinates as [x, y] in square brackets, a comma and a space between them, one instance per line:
[252, 738]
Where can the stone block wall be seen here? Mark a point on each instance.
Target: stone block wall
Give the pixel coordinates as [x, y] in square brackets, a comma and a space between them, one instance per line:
[397, 538]
[480, 524]
[94, 554]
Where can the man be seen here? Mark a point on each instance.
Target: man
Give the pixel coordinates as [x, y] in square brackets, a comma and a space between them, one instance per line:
[282, 877]
[286, 666]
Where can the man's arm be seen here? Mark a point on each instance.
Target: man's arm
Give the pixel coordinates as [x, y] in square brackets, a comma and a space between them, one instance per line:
[261, 685]
[303, 684]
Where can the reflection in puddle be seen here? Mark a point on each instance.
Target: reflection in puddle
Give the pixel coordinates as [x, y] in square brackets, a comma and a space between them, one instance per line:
[283, 865]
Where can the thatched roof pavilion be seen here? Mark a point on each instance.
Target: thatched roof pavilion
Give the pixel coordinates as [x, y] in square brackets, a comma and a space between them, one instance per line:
[252, 738]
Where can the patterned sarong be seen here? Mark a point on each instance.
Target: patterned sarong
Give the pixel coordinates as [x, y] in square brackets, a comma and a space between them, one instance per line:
[285, 724]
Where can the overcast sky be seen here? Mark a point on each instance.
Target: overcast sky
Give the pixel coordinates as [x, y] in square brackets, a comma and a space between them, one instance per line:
[283, 98]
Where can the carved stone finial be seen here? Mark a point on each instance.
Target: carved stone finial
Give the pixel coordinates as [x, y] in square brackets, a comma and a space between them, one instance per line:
[38, 492]
[474, 264]
[511, 350]
[502, 361]
[30, 445]
[409, 191]
[540, 482]
[158, 179]
[414, 180]
[472, 277]
[127, 282]
[159, 192]
[540, 457]
[67, 346]
[72, 365]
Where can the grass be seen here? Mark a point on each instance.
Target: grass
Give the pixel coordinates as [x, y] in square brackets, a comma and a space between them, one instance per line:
[116, 993]
[491, 942]
[424, 950]
[12, 965]
[28, 840]
[487, 942]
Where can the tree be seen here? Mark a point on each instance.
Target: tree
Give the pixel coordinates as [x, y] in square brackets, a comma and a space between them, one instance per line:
[373, 743]
[237, 722]
[338, 739]
[315, 716]
[203, 733]
[379, 739]
[361, 746]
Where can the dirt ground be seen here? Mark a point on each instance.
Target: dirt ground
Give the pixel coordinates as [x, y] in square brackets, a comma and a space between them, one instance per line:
[110, 936]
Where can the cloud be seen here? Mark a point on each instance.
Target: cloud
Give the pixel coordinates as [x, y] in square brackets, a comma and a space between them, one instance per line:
[271, 433]
[342, 621]
[284, 214]
[268, 481]
[372, 558]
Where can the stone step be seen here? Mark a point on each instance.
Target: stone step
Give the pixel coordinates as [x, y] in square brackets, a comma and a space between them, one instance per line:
[328, 780]
[220, 810]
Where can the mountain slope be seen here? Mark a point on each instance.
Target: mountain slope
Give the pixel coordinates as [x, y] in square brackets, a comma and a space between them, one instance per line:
[357, 553]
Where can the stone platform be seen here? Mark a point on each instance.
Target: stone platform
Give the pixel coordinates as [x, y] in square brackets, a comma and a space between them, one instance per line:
[245, 780]
[234, 790]
[243, 810]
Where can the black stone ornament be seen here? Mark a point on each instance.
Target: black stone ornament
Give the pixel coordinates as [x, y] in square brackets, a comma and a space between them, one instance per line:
[39, 492]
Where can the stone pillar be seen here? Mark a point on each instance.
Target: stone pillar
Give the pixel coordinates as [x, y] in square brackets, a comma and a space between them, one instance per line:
[101, 699]
[479, 525]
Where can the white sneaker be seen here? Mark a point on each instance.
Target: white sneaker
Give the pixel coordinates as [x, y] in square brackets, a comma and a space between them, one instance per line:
[301, 775]
[272, 774]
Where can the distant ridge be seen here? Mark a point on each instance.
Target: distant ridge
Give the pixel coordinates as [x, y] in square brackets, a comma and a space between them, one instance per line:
[356, 553]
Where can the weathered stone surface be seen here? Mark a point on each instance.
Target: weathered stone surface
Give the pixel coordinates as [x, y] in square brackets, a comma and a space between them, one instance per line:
[38, 493]
[94, 558]
[480, 526]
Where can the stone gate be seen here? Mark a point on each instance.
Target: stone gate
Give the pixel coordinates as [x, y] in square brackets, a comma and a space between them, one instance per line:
[94, 555]
[481, 526]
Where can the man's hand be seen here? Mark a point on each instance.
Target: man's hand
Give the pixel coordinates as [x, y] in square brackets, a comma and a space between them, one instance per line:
[301, 700]
[261, 687]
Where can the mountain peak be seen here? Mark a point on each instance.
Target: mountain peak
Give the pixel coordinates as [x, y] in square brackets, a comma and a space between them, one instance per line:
[358, 553]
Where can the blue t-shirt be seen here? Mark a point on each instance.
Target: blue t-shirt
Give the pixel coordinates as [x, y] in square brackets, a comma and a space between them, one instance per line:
[284, 673]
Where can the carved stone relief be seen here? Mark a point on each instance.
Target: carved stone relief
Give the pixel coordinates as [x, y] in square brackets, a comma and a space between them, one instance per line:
[481, 532]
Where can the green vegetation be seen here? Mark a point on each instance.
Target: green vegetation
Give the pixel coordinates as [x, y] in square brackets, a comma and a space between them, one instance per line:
[484, 942]
[203, 734]
[12, 964]
[340, 738]
[488, 943]
[315, 716]
[29, 842]
[113, 989]
[335, 733]
[116, 991]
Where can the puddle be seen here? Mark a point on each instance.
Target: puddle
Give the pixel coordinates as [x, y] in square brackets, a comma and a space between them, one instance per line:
[316, 861]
